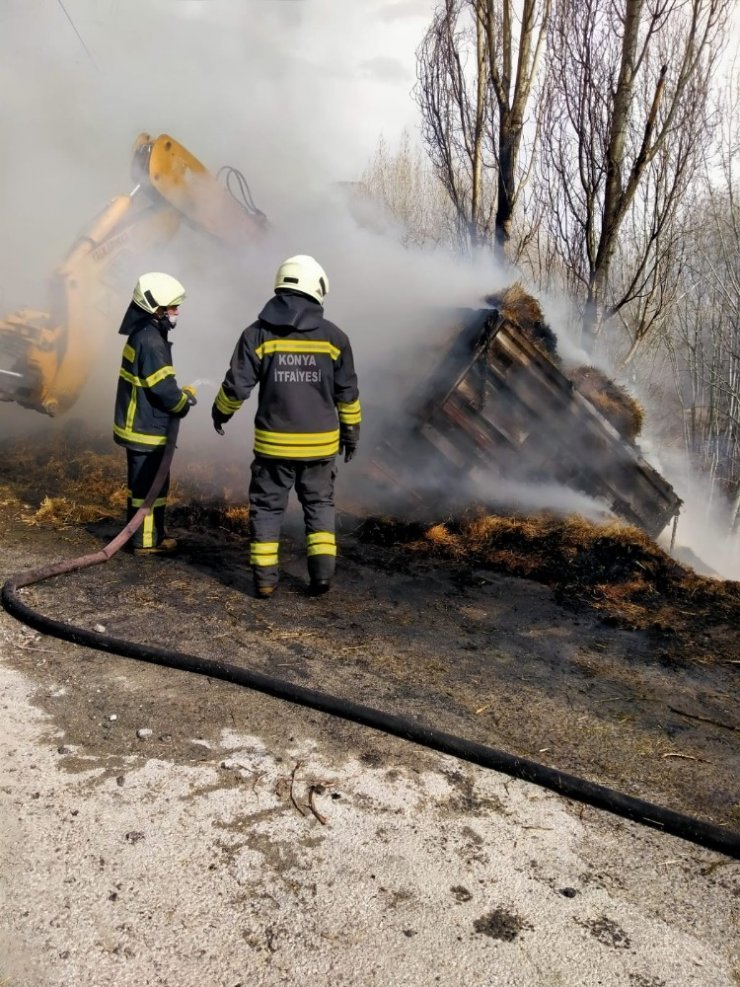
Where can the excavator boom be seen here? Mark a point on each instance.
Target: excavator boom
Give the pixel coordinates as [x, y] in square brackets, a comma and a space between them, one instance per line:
[46, 356]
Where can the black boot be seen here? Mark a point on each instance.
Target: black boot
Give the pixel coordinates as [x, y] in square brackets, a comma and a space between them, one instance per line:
[320, 586]
[264, 591]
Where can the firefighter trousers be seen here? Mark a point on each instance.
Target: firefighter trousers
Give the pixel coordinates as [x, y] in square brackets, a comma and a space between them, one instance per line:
[271, 483]
[142, 469]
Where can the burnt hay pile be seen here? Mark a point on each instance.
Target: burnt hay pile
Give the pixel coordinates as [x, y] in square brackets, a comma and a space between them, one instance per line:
[615, 568]
[620, 409]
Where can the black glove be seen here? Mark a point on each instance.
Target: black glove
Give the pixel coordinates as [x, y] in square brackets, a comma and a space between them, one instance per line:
[349, 436]
[219, 419]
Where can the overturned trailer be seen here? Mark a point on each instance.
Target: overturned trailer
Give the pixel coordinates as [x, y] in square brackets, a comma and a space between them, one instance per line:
[496, 401]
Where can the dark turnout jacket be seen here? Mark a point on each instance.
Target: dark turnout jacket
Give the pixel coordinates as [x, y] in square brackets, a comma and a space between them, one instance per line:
[307, 383]
[148, 394]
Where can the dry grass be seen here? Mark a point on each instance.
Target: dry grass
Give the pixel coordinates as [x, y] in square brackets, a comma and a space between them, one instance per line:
[67, 464]
[441, 541]
[78, 476]
[60, 511]
[237, 516]
[8, 497]
[64, 479]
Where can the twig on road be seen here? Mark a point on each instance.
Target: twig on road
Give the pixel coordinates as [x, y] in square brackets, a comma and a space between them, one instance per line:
[292, 796]
[312, 807]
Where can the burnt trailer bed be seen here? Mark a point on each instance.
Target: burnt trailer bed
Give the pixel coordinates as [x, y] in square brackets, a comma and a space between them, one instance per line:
[495, 401]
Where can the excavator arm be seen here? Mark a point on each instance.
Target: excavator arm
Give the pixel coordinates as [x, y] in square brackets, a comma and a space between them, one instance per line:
[46, 356]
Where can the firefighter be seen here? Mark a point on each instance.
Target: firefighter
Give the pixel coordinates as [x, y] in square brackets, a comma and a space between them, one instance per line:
[308, 410]
[148, 397]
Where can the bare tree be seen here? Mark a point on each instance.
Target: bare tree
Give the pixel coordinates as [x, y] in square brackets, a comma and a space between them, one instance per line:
[704, 346]
[401, 184]
[626, 126]
[476, 75]
[703, 339]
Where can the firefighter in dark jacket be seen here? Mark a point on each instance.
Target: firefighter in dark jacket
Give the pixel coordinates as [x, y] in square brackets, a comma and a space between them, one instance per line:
[148, 397]
[308, 410]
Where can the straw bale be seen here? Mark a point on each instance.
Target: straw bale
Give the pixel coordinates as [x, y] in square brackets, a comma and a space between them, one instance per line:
[524, 310]
[616, 405]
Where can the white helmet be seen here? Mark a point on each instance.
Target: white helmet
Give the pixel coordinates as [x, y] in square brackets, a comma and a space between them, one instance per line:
[157, 290]
[302, 273]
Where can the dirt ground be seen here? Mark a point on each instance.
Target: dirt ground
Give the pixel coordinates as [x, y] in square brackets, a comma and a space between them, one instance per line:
[648, 710]
[490, 658]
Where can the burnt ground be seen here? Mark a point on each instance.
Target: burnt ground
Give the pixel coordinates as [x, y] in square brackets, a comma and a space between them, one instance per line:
[646, 707]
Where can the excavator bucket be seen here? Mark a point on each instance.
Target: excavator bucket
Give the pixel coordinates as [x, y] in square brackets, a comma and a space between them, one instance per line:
[180, 178]
[46, 357]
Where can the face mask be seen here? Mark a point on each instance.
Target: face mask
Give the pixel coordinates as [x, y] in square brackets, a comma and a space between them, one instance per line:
[168, 321]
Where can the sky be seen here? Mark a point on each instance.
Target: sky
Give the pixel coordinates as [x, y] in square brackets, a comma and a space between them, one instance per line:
[295, 94]
[270, 80]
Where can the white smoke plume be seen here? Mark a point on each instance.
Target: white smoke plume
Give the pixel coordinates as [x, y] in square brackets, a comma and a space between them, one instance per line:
[272, 88]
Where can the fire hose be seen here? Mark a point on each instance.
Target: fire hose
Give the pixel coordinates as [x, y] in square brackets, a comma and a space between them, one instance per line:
[698, 831]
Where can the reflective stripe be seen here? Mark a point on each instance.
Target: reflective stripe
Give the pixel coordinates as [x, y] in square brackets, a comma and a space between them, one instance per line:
[139, 501]
[296, 452]
[129, 353]
[263, 553]
[296, 438]
[147, 531]
[298, 346]
[149, 381]
[180, 404]
[321, 543]
[296, 445]
[158, 375]
[350, 413]
[131, 410]
[227, 405]
[128, 435]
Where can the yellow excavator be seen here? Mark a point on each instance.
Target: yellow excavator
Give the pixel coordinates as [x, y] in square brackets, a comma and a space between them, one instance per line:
[45, 357]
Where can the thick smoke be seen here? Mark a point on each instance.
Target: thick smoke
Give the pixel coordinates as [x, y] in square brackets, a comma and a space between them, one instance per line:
[270, 88]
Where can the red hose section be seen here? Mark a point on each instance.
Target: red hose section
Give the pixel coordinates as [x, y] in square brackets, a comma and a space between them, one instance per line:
[109, 550]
